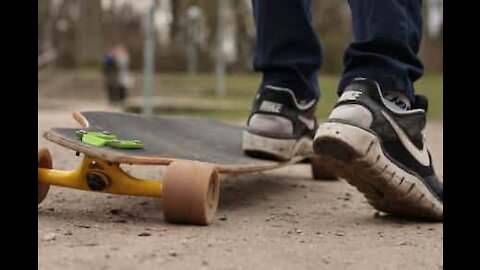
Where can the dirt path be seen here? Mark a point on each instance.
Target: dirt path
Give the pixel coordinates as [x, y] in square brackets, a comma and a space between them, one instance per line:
[276, 220]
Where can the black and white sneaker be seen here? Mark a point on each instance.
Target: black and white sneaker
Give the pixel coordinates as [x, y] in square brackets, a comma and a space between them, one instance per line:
[380, 148]
[280, 126]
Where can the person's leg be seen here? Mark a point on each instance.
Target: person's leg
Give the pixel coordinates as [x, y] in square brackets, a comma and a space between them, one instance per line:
[387, 39]
[111, 92]
[122, 93]
[282, 121]
[375, 133]
[287, 51]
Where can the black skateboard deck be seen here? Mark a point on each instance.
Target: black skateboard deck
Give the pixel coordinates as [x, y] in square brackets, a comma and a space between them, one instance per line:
[165, 139]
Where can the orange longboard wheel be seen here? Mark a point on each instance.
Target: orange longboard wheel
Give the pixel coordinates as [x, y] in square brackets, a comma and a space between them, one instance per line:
[320, 169]
[44, 161]
[191, 192]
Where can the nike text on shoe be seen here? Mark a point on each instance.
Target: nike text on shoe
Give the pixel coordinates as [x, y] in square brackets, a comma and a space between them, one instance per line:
[280, 125]
[380, 148]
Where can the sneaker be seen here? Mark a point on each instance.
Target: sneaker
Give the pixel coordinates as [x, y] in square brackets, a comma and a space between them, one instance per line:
[280, 125]
[379, 147]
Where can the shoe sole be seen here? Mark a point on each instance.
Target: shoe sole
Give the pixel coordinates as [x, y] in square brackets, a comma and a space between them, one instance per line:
[277, 149]
[358, 157]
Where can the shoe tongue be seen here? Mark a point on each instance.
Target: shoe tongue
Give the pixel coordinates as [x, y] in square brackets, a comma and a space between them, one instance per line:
[399, 100]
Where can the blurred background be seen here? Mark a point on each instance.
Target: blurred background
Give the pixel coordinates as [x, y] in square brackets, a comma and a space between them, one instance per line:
[189, 57]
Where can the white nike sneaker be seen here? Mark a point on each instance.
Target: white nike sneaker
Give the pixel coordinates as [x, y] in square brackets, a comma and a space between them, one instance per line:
[380, 148]
[280, 126]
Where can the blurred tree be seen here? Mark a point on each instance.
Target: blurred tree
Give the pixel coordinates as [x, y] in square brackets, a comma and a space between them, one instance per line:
[245, 34]
[89, 36]
[331, 19]
[45, 20]
[64, 34]
[431, 50]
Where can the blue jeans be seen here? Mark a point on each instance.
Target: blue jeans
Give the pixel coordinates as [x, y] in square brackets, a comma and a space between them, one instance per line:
[387, 39]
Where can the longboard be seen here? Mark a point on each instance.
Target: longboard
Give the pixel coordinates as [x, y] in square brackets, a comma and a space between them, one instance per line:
[196, 150]
[166, 139]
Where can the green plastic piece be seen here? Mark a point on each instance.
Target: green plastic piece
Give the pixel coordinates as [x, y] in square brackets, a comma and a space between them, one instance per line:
[106, 139]
[126, 144]
[102, 135]
[94, 140]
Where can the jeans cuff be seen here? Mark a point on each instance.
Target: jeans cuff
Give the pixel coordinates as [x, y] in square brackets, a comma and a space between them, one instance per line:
[304, 87]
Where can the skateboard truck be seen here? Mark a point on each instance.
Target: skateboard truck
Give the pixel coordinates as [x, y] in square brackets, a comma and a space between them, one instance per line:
[190, 190]
[95, 175]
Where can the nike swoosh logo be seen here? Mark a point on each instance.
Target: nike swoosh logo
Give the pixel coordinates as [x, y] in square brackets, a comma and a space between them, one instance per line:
[421, 155]
[310, 123]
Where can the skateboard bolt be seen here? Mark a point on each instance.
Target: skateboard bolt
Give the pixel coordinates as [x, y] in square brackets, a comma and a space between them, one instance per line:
[137, 142]
[106, 132]
[94, 165]
[97, 181]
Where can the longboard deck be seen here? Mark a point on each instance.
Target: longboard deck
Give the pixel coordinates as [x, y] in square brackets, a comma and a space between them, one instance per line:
[165, 139]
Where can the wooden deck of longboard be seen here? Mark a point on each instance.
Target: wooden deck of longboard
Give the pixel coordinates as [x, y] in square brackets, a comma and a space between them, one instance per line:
[166, 139]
